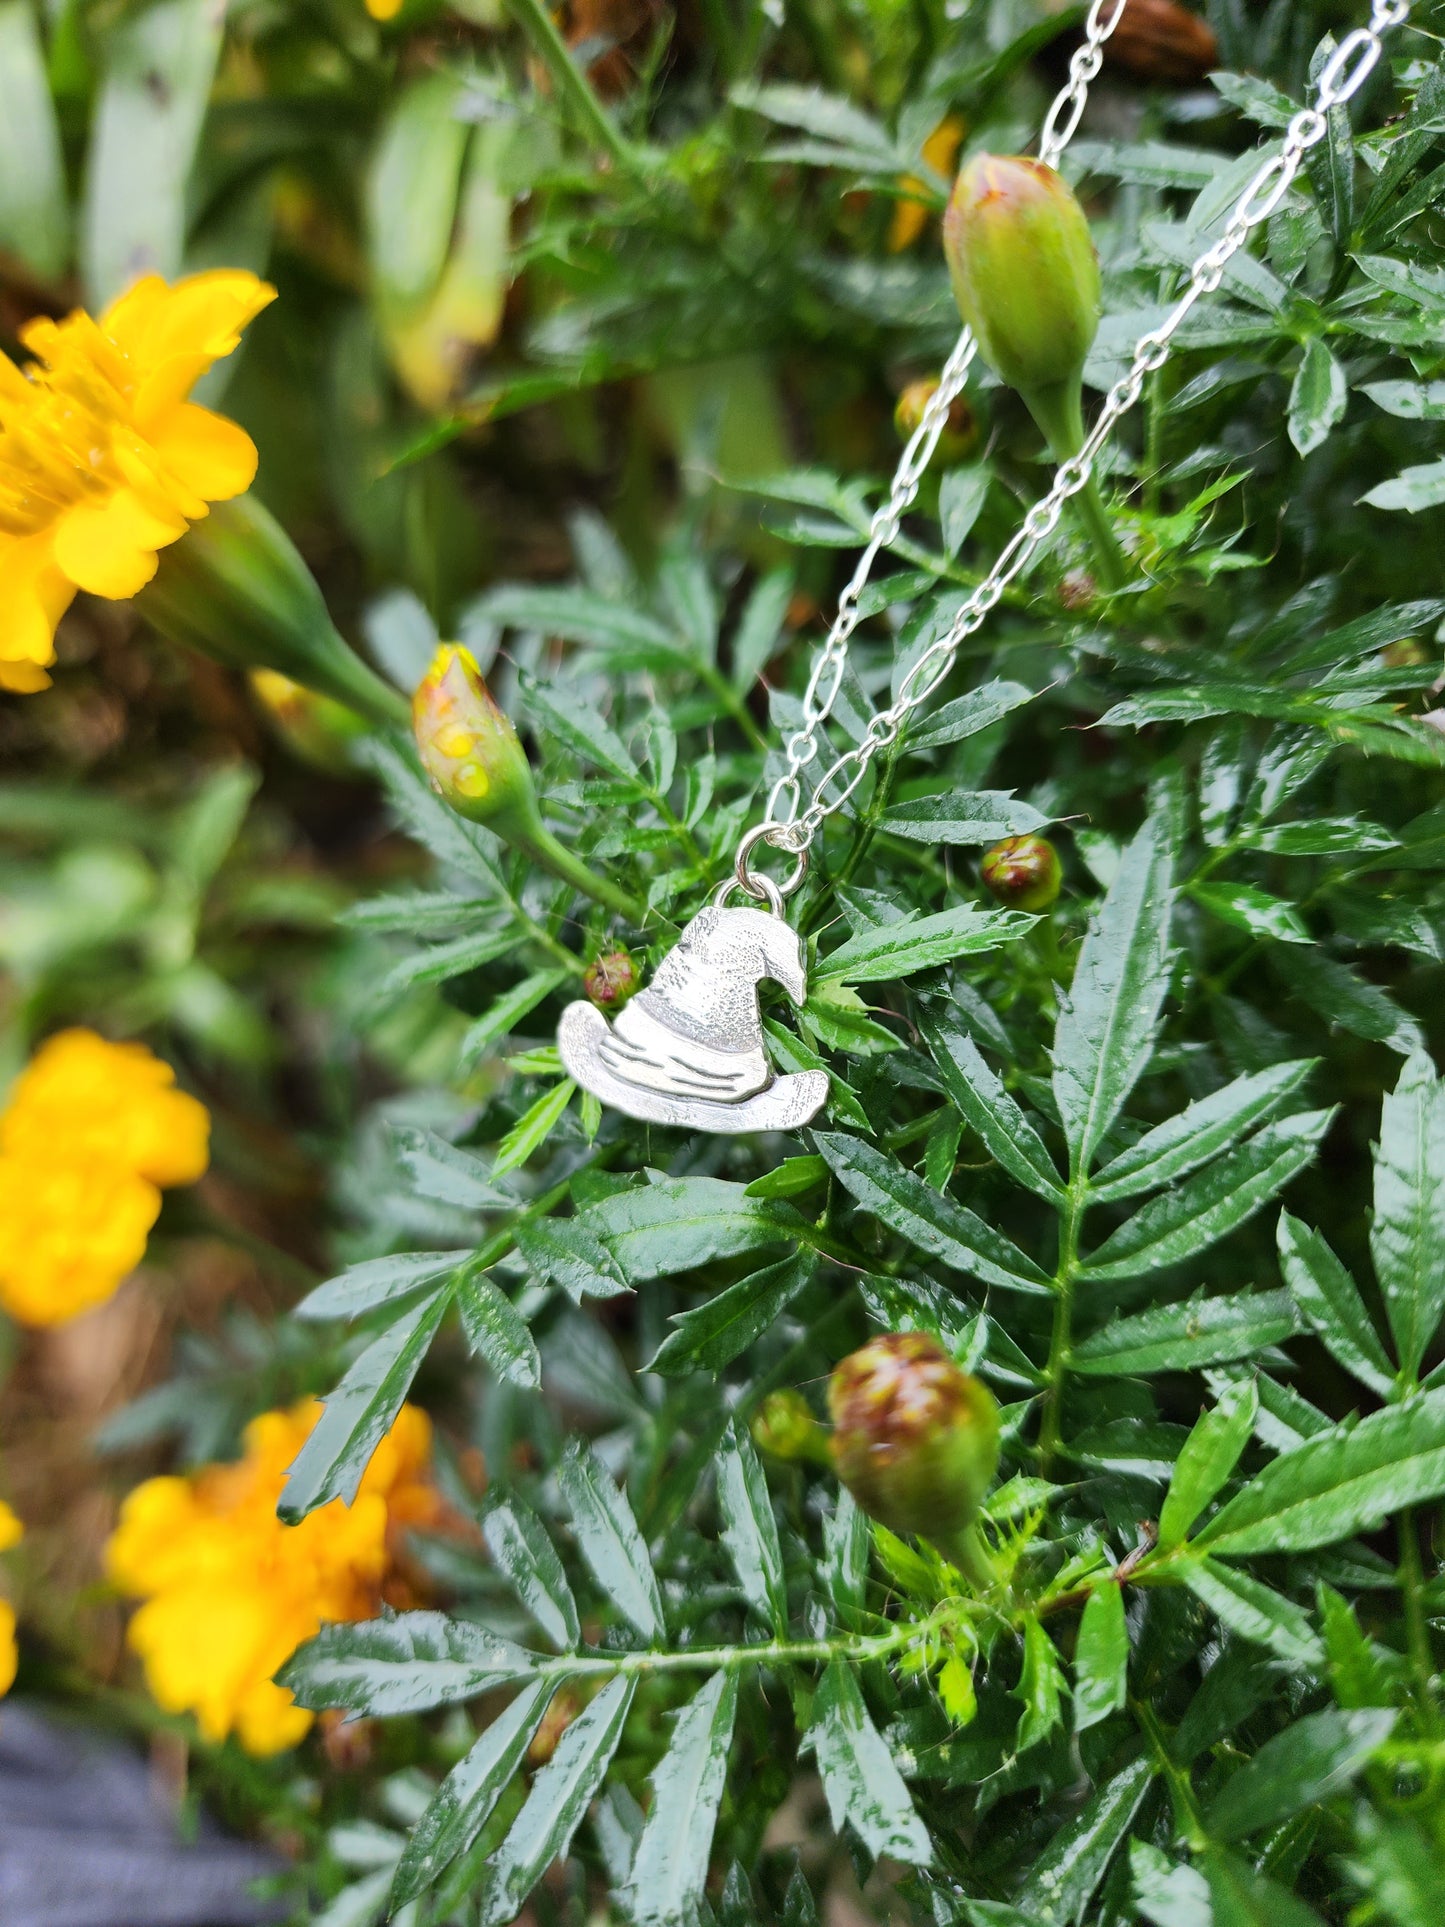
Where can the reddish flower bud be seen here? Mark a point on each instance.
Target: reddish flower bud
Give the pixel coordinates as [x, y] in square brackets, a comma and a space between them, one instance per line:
[784, 1427]
[1160, 40]
[960, 430]
[915, 1438]
[1024, 872]
[612, 979]
[1026, 279]
[468, 747]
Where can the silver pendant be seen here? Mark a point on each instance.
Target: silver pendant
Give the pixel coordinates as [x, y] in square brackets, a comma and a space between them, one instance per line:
[688, 1050]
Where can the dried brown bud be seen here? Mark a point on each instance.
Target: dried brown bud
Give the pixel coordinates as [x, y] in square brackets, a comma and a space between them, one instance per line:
[1160, 40]
[960, 429]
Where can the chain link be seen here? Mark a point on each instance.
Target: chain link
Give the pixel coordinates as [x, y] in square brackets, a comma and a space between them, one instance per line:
[1341, 77]
[826, 677]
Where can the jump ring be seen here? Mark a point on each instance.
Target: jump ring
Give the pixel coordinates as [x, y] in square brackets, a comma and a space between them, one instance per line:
[753, 882]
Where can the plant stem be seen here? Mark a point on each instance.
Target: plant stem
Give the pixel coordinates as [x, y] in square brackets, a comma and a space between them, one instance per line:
[968, 1550]
[571, 83]
[537, 842]
[1062, 1337]
[1059, 413]
[1411, 1579]
[1090, 512]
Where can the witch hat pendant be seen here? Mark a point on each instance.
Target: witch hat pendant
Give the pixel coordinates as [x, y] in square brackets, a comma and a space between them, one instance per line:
[688, 1050]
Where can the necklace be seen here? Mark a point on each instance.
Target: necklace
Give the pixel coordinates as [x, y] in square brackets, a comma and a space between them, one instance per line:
[688, 1050]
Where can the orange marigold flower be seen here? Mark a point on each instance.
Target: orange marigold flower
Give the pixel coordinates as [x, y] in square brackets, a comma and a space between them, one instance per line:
[230, 1592]
[910, 213]
[91, 1132]
[103, 460]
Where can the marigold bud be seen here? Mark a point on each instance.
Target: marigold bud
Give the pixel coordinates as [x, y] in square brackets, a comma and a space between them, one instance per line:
[1024, 872]
[321, 732]
[1160, 40]
[612, 979]
[784, 1427]
[960, 429]
[916, 1439]
[468, 746]
[1026, 279]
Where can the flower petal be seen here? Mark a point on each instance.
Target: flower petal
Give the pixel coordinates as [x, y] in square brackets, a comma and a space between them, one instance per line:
[207, 453]
[37, 594]
[110, 548]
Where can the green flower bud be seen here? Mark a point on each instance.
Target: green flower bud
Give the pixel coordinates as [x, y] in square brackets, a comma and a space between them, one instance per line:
[237, 589]
[960, 429]
[915, 1438]
[1026, 279]
[1024, 872]
[612, 979]
[784, 1427]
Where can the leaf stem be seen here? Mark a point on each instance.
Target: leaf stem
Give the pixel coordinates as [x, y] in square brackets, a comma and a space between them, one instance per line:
[572, 84]
[1411, 1577]
[1061, 1338]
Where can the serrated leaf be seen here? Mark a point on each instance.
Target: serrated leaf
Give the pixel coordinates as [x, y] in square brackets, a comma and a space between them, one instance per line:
[1343, 1481]
[533, 1128]
[988, 1108]
[568, 1252]
[669, 1870]
[509, 1010]
[561, 1794]
[1179, 1338]
[760, 628]
[1209, 1455]
[1199, 1132]
[1304, 1766]
[610, 1541]
[966, 715]
[464, 1801]
[1041, 1687]
[359, 1413]
[862, 1784]
[1181, 1223]
[1341, 996]
[495, 1330]
[404, 1663]
[678, 1224]
[378, 1281]
[1063, 1880]
[928, 1219]
[520, 1547]
[1101, 1657]
[443, 1171]
[1422, 486]
[440, 962]
[1331, 1303]
[714, 1332]
[1255, 1611]
[1407, 1233]
[1165, 1893]
[1322, 836]
[1253, 910]
[960, 817]
[1317, 398]
[750, 1532]
[581, 728]
[1105, 1033]
[1240, 1897]
[961, 496]
[580, 615]
[893, 950]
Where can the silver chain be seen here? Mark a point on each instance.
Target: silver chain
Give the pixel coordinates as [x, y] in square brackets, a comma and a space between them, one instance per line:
[1342, 76]
[826, 677]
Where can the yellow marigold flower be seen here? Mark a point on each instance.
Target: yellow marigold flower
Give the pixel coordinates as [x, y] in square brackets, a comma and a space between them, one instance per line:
[11, 1530]
[384, 9]
[85, 1100]
[230, 1592]
[9, 1651]
[910, 214]
[103, 460]
[91, 1131]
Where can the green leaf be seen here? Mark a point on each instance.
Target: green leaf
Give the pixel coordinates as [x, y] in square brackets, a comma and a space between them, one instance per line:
[34, 209]
[1166, 1893]
[1344, 998]
[1240, 1897]
[568, 1252]
[160, 62]
[1304, 1766]
[403, 1663]
[1318, 398]
[1413, 489]
[521, 1548]
[1101, 1657]
[440, 962]
[1343, 1481]
[760, 628]
[1210, 1454]
[579, 726]
[959, 816]
[1322, 836]
[610, 1541]
[359, 1413]
[1181, 1223]
[1063, 1880]
[966, 715]
[1041, 1687]
[669, 1869]
[444, 1171]
[961, 496]
[1180, 1338]
[580, 615]
[509, 1010]
[1256, 911]
[561, 1794]
[679, 1224]
[465, 1800]
[790, 1053]
[1105, 1032]
[412, 191]
[1407, 1234]
[862, 1784]
[1255, 1611]
[378, 1281]
[1204, 1128]
[1331, 1303]
[929, 1220]
[715, 1331]
[496, 1331]
[1398, 1864]
[1007, 1134]
[533, 1128]
[1411, 401]
[893, 950]
[750, 1532]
